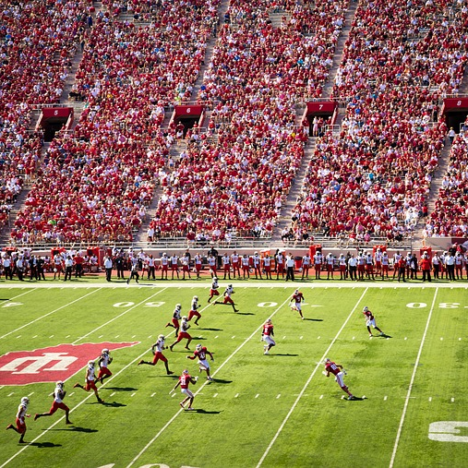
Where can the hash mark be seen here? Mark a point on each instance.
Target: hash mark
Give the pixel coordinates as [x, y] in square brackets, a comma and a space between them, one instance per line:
[35, 336]
[321, 396]
[233, 336]
[216, 336]
[385, 398]
[279, 394]
[430, 398]
[406, 338]
[354, 337]
[173, 395]
[152, 395]
[441, 338]
[257, 395]
[100, 336]
[19, 336]
[151, 336]
[72, 393]
[452, 400]
[318, 337]
[12, 393]
[236, 395]
[459, 339]
[133, 394]
[300, 337]
[284, 337]
[51, 336]
[30, 393]
[215, 395]
[133, 336]
[68, 336]
[117, 336]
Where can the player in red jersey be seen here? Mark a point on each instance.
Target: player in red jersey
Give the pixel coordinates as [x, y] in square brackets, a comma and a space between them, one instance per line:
[184, 380]
[267, 336]
[194, 310]
[90, 383]
[339, 373]
[174, 323]
[370, 321]
[59, 395]
[157, 350]
[200, 353]
[214, 288]
[183, 333]
[20, 422]
[297, 298]
[103, 363]
[227, 298]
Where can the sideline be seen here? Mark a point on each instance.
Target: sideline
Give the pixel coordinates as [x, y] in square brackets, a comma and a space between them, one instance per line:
[319, 364]
[413, 376]
[205, 383]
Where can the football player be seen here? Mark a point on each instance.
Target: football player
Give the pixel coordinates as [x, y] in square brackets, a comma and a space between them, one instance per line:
[214, 288]
[90, 383]
[227, 298]
[267, 336]
[337, 370]
[58, 394]
[157, 350]
[297, 298]
[104, 360]
[194, 310]
[20, 422]
[183, 333]
[184, 380]
[370, 321]
[175, 319]
[200, 353]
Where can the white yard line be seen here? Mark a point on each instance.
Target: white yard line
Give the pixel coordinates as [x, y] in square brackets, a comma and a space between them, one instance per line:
[319, 364]
[49, 313]
[148, 445]
[413, 376]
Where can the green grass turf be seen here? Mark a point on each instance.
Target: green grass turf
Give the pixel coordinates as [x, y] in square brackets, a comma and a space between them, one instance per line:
[259, 408]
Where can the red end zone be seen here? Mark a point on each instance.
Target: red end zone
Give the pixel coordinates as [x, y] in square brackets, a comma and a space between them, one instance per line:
[50, 364]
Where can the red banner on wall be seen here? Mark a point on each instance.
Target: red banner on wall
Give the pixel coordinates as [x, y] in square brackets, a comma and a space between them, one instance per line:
[54, 112]
[454, 104]
[187, 111]
[321, 107]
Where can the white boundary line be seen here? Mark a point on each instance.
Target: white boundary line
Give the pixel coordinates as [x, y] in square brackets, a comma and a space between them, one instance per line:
[49, 313]
[413, 376]
[91, 394]
[201, 388]
[319, 364]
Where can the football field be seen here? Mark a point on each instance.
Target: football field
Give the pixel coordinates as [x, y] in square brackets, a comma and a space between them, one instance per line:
[275, 410]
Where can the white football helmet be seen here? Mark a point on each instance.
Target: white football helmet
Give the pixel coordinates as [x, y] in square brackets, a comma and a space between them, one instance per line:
[215, 278]
[184, 318]
[326, 360]
[195, 298]
[25, 400]
[198, 347]
[178, 306]
[161, 337]
[185, 371]
[90, 363]
[365, 309]
[268, 320]
[59, 384]
[105, 351]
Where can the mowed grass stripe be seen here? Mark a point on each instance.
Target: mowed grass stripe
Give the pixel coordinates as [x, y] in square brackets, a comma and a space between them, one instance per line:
[376, 368]
[243, 418]
[37, 319]
[214, 374]
[319, 364]
[441, 377]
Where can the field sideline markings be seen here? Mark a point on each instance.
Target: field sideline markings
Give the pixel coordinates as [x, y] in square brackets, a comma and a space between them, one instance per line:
[49, 313]
[320, 363]
[82, 401]
[145, 448]
[413, 376]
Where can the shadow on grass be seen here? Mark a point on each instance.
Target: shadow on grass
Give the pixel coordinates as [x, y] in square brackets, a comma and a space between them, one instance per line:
[221, 381]
[75, 429]
[313, 320]
[244, 313]
[383, 336]
[43, 444]
[202, 411]
[208, 329]
[113, 404]
[274, 354]
[121, 389]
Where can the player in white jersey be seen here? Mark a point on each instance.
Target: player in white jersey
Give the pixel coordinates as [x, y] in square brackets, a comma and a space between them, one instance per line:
[227, 298]
[58, 394]
[90, 383]
[103, 362]
[157, 350]
[20, 422]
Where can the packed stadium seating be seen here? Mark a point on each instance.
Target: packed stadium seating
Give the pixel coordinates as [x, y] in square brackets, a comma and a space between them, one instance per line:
[374, 176]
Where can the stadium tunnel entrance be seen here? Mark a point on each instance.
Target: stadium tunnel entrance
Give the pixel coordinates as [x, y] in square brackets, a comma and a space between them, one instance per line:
[54, 119]
[327, 110]
[455, 111]
[186, 117]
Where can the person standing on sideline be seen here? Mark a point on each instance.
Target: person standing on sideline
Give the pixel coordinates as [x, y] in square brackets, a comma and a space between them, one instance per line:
[184, 380]
[337, 370]
[108, 267]
[134, 269]
[20, 422]
[425, 264]
[352, 266]
[120, 265]
[370, 321]
[267, 336]
[290, 267]
[59, 395]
